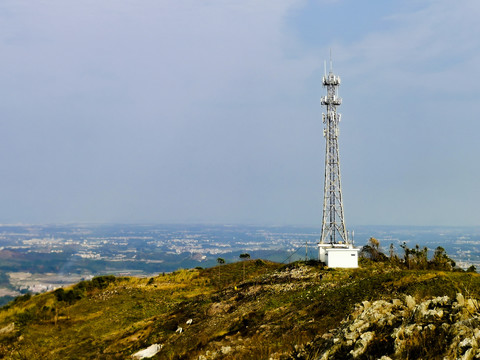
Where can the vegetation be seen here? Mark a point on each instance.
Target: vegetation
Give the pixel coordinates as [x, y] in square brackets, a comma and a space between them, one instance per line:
[414, 258]
[255, 307]
[244, 256]
[220, 261]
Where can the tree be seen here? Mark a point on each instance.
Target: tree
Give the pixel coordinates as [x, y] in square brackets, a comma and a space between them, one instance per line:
[374, 243]
[393, 257]
[244, 256]
[406, 256]
[220, 261]
[372, 251]
[441, 261]
[391, 251]
[472, 268]
[415, 258]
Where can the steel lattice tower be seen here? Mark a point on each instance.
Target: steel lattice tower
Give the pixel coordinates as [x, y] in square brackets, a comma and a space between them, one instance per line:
[333, 223]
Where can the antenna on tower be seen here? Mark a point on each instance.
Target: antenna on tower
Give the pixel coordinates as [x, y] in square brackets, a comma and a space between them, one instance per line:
[331, 63]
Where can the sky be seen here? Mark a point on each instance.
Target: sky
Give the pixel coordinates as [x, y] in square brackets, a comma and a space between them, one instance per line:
[188, 111]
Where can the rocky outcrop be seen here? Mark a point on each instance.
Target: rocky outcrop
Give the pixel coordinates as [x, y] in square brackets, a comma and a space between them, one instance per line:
[436, 328]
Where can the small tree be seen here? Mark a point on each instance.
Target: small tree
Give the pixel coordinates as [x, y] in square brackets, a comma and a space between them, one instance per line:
[406, 256]
[374, 243]
[415, 258]
[244, 256]
[220, 262]
[441, 261]
[372, 251]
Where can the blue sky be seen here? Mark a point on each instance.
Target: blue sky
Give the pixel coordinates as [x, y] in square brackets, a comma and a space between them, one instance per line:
[208, 111]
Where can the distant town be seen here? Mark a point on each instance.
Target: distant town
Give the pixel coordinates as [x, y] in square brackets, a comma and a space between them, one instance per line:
[37, 258]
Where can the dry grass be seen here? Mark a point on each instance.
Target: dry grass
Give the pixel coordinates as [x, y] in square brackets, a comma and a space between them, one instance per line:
[275, 308]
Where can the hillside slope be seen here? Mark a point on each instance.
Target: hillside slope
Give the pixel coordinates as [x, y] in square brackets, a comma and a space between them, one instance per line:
[301, 310]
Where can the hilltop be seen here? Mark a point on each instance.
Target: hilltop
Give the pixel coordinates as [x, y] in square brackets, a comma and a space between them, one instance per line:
[252, 309]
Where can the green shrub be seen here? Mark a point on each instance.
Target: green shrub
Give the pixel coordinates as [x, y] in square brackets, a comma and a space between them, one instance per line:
[101, 282]
[98, 282]
[24, 318]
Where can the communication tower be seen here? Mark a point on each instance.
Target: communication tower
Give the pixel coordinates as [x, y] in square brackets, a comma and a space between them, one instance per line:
[334, 241]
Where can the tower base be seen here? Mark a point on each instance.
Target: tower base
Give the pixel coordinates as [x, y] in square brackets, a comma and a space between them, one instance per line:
[338, 255]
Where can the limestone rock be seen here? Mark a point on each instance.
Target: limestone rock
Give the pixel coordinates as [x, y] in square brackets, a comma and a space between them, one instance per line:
[7, 329]
[149, 352]
[362, 344]
[410, 302]
[390, 329]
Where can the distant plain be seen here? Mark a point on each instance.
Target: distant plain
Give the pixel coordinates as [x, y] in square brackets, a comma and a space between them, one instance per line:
[37, 258]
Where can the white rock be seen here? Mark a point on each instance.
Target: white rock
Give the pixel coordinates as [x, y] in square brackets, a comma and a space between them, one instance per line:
[467, 342]
[358, 326]
[397, 303]
[149, 352]
[226, 350]
[433, 314]
[361, 345]
[7, 329]
[366, 304]
[468, 355]
[472, 305]
[441, 300]
[410, 302]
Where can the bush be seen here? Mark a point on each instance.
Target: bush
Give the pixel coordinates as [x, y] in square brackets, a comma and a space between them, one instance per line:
[373, 251]
[101, 282]
[23, 298]
[69, 296]
[22, 319]
[472, 268]
[441, 261]
[98, 282]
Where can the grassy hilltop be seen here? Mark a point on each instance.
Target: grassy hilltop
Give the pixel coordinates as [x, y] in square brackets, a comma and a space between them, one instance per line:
[300, 310]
